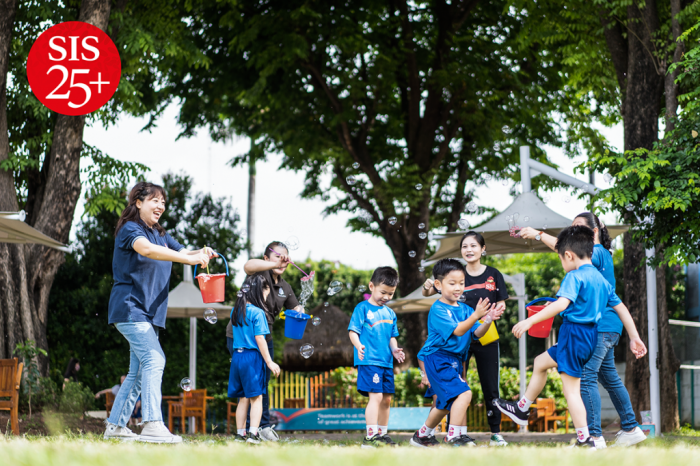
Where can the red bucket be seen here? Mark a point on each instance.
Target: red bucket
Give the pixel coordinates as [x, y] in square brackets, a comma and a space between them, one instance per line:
[541, 329]
[212, 286]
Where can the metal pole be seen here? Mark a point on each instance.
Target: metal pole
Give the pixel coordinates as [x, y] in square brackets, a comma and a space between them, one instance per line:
[654, 390]
[525, 168]
[193, 361]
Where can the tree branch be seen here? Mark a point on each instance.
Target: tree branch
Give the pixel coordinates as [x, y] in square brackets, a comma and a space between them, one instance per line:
[617, 46]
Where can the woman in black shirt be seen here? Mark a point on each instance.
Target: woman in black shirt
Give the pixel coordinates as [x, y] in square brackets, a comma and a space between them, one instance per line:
[482, 281]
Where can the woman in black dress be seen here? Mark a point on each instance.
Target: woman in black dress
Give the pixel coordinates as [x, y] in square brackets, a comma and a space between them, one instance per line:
[482, 281]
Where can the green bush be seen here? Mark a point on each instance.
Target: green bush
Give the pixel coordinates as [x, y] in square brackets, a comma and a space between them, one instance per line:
[76, 399]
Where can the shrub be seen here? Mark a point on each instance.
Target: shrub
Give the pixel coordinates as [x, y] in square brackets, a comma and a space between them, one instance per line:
[76, 399]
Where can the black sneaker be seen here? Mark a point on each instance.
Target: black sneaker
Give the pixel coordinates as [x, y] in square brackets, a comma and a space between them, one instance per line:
[239, 438]
[373, 442]
[253, 438]
[460, 441]
[470, 442]
[387, 440]
[511, 409]
[423, 442]
[588, 443]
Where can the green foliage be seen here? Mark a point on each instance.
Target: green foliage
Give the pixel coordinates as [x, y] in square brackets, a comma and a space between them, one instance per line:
[28, 351]
[75, 399]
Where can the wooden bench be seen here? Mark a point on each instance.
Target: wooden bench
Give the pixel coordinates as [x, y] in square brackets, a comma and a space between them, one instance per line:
[10, 379]
[547, 412]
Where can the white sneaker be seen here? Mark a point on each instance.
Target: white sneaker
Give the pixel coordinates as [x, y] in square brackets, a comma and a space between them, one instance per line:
[627, 439]
[497, 440]
[599, 443]
[156, 432]
[120, 433]
[268, 434]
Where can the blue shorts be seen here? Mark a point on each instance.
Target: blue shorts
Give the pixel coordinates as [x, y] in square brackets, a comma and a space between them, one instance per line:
[444, 371]
[246, 378]
[429, 393]
[374, 379]
[574, 348]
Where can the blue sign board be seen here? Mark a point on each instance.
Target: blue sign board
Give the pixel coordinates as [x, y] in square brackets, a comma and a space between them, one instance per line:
[343, 418]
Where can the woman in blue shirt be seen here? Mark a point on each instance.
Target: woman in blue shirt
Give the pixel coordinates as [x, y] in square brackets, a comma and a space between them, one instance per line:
[141, 265]
[601, 366]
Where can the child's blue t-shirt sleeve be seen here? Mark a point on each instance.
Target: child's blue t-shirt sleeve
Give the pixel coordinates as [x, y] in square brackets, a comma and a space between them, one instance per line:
[357, 321]
[260, 324]
[172, 243]
[570, 287]
[443, 323]
[128, 234]
[394, 328]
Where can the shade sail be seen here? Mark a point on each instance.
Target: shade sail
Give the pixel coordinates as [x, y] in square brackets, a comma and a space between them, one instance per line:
[14, 230]
[497, 236]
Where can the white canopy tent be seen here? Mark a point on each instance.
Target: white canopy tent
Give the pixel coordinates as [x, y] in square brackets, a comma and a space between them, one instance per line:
[186, 301]
[14, 230]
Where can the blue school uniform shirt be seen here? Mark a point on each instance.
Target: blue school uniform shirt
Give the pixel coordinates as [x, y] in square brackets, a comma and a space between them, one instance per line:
[375, 325]
[602, 260]
[140, 290]
[442, 322]
[589, 294]
[255, 324]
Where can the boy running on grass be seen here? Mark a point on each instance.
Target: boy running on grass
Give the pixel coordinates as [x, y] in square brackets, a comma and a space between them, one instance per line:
[451, 327]
[583, 296]
[373, 333]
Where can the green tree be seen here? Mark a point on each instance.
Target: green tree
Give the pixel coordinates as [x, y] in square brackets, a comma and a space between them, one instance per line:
[406, 105]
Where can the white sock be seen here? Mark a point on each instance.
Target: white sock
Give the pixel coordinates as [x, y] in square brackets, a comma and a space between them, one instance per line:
[453, 431]
[383, 430]
[254, 430]
[524, 404]
[426, 431]
[241, 432]
[464, 430]
[371, 430]
[582, 433]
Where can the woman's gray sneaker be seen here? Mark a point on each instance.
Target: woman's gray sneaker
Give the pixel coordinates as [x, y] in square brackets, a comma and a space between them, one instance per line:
[113, 431]
[268, 434]
[156, 432]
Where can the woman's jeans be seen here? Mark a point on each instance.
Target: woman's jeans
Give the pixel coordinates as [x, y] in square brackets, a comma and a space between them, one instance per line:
[145, 374]
[601, 368]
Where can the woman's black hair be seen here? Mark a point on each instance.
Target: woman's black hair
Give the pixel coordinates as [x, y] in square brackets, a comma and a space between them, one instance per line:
[477, 236]
[273, 245]
[444, 266]
[593, 222]
[71, 373]
[141, 192]
[253, 295]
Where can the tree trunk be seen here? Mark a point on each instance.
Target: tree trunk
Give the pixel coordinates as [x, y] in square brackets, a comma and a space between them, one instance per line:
[670, 86]
[27, 272]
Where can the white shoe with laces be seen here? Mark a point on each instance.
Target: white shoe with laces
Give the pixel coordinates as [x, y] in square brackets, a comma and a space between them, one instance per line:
[268, 434]
[627, 439]
[156, 432]
[113, 431]
[497, 440]
[599, 443]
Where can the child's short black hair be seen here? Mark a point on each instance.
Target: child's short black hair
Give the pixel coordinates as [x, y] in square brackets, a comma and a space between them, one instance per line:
[578, 239]
[385, 276]
[445, 266]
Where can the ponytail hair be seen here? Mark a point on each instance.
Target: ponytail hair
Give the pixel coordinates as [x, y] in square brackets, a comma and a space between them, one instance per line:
[253, 295]
[273, 245]
[592, 221]
[141, 192]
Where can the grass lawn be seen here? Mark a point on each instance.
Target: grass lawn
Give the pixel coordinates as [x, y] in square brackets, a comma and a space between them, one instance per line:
[91, 450]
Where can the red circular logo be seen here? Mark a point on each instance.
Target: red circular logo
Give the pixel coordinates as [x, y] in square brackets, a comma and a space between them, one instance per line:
[74, 68]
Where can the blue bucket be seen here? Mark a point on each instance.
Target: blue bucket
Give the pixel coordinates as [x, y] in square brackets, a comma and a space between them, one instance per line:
[294, 323]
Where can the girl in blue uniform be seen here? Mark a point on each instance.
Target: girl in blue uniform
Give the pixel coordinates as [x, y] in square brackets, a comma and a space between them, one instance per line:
[601, 367]
[250, 358]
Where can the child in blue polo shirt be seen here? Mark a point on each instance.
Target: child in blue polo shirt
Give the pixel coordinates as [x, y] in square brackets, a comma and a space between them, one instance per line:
[373, 333]
[451, 327]
[250, 356]
[583, 297]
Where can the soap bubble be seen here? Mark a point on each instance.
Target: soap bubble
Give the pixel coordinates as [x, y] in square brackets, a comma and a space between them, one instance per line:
[516, 216]
[306, 350]
[392, 220]
[504, 182]
[325, 304]
[351, 180]
[471, 207]
[629, 207]
[486, 176]
[411, 253]
[608, 177]
[245, 288]
[544, 226]
[567, 199]
[292, 243]
[422, 235]
[584, 187]
[316, 321]
[421, 226]
[526, 219]
[546, 199]
[334, 287]
[463, 223]
[186, 384]
[419, 187]
[239, 294]
[210, 316]
[355, 165]
[421, 269]
[361, 288]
